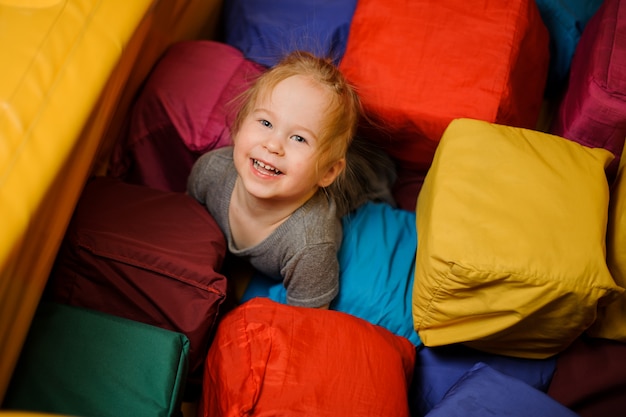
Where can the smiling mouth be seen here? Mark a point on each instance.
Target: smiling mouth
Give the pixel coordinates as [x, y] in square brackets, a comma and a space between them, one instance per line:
[265, 168]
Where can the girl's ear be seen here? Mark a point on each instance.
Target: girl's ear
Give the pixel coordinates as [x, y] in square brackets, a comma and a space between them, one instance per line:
[332, 172]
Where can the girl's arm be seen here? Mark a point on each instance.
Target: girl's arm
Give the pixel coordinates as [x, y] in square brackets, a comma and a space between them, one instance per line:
[312, 278]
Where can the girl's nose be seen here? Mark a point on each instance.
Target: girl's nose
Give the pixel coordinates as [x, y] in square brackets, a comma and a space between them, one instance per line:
[273, 144]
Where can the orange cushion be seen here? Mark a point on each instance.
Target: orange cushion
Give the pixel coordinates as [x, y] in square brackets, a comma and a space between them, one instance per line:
[420, 64]
[273, 359]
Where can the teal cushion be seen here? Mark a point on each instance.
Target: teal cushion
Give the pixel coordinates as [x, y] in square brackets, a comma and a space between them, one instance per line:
[377, 264]
[565, 21]
[86, 363]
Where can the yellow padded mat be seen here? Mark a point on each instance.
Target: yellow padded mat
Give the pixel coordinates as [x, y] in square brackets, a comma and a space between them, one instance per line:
[70, 69]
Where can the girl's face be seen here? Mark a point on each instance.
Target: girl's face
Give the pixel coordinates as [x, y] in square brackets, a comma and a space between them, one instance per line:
[275, 149]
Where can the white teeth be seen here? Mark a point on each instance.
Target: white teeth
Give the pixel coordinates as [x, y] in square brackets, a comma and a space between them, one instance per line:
[266, 167]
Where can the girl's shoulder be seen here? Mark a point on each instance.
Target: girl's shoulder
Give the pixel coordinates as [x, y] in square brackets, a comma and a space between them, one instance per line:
[212, 169]
[318, 220]
[222, 156]
[217, 160]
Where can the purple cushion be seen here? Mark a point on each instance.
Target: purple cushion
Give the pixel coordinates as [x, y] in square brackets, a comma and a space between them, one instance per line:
[437, 370]
[593, 109]
[266, 30]
[483, 391]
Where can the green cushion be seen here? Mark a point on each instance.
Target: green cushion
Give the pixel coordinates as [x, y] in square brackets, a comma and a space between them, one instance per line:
[86, 363]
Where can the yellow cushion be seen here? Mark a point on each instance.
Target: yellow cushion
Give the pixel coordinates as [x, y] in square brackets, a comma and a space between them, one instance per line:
[511, 230]
[611, 322]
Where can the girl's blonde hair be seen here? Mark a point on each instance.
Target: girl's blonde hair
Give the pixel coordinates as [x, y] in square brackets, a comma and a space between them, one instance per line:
[344, 108]
[357, 182]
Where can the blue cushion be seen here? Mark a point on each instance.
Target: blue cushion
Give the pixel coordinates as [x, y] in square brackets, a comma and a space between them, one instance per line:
[438, 369]
[377, 265]
[483, 391]
[266, 30]
[565, 21]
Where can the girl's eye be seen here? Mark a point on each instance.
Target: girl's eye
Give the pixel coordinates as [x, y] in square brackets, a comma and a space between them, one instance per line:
[265, 123]
[298, 138]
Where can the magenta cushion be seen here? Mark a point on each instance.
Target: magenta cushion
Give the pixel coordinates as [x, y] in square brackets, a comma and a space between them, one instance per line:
[593, 109]
[565, 20]
[184, 110]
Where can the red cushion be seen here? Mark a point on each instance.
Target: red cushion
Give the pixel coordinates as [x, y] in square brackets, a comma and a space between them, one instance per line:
[420, 64]
[184, 110]
[147, 255]
[274, 359]
[593, 109]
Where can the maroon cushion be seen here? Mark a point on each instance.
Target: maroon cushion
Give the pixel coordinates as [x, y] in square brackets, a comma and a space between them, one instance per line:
[184, 110]
[146, 255]
[590, 378]
[593, 109]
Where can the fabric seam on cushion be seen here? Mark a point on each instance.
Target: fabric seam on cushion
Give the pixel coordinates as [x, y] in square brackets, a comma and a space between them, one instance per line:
[133, 262]
[257, 385]
[537, 280]
[429, 307]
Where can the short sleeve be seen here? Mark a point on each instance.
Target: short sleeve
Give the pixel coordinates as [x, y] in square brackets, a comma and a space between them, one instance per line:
[308, 284]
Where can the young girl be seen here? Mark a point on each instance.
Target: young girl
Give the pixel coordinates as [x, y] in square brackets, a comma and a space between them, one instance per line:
[275, 192]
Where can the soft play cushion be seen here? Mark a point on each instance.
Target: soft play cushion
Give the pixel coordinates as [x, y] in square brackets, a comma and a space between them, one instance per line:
[565, 20]
[590, 377]
[417, 65]
[377, 264]
[267, 30]
[611, 323]
[438, 369]
[593, 110]
[483, 391]
[148, 255]
[511, 229]
[85, 363]
[273, 359]
[185, 109]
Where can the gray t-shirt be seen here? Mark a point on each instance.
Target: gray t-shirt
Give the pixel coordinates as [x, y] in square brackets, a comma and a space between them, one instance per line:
[302, 251]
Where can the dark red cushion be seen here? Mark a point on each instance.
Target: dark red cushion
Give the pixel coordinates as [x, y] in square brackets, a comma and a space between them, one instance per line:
[184, 109]
[147, 255]
[590, 377]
